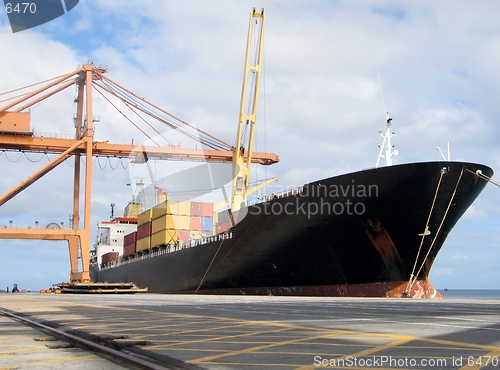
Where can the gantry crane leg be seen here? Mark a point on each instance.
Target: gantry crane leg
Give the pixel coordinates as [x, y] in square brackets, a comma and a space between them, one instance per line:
[73, 254]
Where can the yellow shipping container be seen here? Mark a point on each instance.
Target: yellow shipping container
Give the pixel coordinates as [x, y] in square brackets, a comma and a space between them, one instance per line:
[144, 217]
[178, 207]
[159, 210]
[162, 223]
[164, 237]
[171, 207]
[182, 222]
[132, 210]
[143, 244]
[170, 222]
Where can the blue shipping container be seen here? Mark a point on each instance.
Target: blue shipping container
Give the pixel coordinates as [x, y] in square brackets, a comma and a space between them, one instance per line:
[207, 223]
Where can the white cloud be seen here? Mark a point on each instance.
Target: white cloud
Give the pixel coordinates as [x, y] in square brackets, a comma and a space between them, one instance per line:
[474, 213]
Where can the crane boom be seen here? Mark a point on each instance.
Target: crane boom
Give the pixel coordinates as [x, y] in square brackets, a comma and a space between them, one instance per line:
[248, 110]
[104, 148]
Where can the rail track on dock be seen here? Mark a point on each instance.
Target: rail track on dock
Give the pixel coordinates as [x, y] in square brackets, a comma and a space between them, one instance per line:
[105, 345]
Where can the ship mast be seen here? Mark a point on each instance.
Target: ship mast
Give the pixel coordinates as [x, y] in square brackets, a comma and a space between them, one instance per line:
[388, 135]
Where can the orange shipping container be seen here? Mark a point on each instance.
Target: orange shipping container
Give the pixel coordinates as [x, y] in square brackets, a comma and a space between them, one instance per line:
[195, 223]
[130, 238]
[108, 257]
[183, 235]
[223, 226]
[128, 249]
[207, 209]
[144, 230]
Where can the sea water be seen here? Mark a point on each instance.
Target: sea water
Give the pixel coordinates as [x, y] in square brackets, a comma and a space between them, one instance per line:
[470, 294]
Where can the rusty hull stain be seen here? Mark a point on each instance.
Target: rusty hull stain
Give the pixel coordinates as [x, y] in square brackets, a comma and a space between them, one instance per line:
[385, 247]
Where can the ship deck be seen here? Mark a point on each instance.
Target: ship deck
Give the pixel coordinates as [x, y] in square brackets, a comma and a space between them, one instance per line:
[240, 332]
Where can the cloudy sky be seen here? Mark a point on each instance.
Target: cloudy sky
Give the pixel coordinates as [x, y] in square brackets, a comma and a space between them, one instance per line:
[320, 106]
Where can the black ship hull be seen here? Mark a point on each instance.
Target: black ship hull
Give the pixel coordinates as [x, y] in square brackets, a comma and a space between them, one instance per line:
[369, 233]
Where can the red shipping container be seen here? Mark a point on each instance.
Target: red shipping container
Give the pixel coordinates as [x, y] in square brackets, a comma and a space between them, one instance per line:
[144, 230]
[195, 223]
[183, 235]
[130, 238]
[207, 209]
[223, 226]
[128, 249]
[196, 208]
[108, 257]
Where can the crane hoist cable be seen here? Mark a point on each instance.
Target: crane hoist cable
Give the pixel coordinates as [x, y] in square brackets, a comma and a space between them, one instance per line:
[131, 106]
[124, 115]
[25, 87]
[142, 118]
[156, 112]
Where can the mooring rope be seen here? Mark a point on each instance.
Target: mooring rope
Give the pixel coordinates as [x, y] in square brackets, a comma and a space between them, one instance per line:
[479, 174]
[208, 269]
[230, 250]
[438, 230]
[424, 234]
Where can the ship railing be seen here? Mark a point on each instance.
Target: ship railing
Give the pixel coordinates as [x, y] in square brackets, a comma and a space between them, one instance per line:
[168, 248]
[268, 198]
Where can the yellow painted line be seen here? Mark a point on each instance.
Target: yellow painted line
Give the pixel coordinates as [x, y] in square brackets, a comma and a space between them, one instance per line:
[12, 341]
[365, 352]
[463, 344]
[480, 361]
[55, 360]
[126, 326]
[260, 365]
[212, 329]
[258, 348]
[213, 339]
[24, 349]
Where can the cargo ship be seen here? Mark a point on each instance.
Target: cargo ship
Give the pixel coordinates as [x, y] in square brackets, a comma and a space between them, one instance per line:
[375, 232]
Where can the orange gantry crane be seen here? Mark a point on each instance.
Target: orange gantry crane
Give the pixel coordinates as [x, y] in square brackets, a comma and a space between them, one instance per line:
[16, 135]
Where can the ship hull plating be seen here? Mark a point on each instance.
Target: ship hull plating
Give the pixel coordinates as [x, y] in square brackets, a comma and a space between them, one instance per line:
[360, 234]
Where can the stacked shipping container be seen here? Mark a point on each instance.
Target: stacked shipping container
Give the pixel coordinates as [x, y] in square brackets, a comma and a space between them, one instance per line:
[109, 257]
[169, 222]
[202, 223]
[129, 244]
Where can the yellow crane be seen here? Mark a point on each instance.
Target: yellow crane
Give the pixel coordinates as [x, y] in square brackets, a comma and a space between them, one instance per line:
[16, 135]
[243, 152]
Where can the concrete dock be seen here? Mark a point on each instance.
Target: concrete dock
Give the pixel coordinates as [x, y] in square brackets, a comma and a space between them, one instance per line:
[243, 332]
